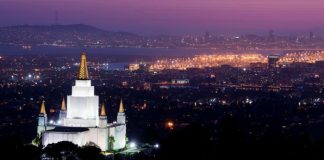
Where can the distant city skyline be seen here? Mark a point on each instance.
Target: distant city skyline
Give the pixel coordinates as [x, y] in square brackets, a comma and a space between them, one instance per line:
[171, 16]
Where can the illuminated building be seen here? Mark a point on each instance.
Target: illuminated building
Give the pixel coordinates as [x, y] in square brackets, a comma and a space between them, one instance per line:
[80, 122]
[180, 81]
[133, 67]
[272, 61]
[42, 119]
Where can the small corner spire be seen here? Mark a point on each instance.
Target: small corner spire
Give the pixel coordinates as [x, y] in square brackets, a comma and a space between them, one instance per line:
[121, 106]
[103, 110]
[43, 111]
[63, 106]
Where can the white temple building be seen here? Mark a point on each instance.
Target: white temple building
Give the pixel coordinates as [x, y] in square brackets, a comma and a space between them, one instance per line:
[80, 121]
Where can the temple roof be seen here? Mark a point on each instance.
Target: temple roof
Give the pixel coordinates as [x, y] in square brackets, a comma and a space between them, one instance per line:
[69, 129]
[83, 73]
[43, 111]
[121, 106]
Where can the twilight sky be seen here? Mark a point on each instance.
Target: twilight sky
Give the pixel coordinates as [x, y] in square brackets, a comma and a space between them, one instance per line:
[170, 16]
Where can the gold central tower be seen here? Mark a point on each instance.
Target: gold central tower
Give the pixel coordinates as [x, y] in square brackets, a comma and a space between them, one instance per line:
[83, 73]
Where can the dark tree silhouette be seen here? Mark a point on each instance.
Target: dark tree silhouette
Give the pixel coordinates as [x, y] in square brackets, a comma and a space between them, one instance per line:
[62, 149]
[90, 152]
[191, 142]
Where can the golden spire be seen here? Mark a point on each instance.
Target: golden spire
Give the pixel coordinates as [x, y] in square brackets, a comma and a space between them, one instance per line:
[121, 106]
[103, 110]
[43, 111]
[63, 107]
[83, 73]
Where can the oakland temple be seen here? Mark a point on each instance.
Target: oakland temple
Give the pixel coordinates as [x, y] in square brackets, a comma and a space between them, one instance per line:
[81, 120]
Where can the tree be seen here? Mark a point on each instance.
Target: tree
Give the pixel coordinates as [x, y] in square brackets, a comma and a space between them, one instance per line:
[28, 152]
[61, 150]
[150, 135]
[37, 141]
[90, 152]
[111, 141]
[88, 144]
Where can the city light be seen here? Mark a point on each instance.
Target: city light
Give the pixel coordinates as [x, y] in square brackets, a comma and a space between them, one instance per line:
[132, 145]
[170, 125]
[236, 60]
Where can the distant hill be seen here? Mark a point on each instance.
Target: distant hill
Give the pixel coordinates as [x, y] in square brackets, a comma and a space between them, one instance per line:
[80, 35]
[75, 34]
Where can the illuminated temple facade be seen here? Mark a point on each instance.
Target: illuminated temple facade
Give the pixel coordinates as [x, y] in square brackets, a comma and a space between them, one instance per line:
[82, 120]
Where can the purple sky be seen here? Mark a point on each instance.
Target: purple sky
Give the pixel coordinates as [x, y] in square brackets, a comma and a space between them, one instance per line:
[170, 16]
